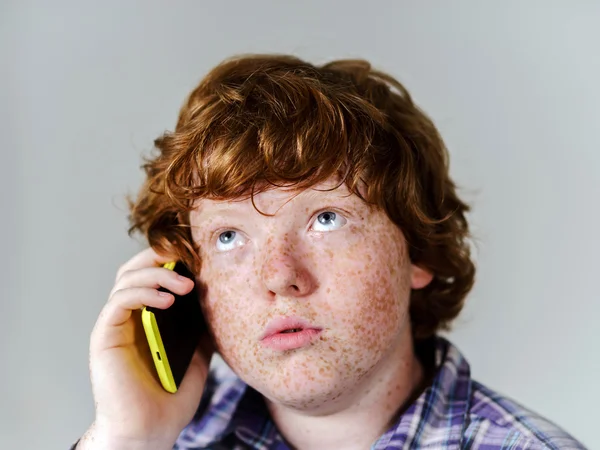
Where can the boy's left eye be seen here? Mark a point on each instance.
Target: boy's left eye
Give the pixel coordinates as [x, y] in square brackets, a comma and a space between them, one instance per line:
[328, 221]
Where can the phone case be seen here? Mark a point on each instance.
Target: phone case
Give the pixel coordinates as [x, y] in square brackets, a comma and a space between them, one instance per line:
[173, 333]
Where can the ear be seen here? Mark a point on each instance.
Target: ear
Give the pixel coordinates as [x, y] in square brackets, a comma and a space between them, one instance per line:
[419, 277]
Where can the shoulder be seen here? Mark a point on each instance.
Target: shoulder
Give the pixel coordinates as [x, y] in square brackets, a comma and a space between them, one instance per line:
[503, 423]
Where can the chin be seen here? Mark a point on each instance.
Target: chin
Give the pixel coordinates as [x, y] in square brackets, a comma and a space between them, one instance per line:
[308, 397]
[308, 386]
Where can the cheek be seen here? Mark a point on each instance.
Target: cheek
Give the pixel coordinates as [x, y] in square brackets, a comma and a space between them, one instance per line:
[372, 292]
[225, 304]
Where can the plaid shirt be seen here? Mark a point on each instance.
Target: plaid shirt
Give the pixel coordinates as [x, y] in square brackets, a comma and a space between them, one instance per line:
[455, 412]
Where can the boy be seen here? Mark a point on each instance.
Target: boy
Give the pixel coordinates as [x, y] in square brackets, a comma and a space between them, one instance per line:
[315, 207]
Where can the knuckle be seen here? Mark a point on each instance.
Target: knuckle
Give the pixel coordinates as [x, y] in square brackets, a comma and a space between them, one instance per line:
[115, 294]
[121, 296]
[121, 271]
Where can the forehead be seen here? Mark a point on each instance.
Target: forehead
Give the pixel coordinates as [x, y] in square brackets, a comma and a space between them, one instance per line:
[278, 199]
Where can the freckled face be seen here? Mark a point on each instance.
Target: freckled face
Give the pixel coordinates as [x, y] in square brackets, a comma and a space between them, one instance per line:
[325, 257]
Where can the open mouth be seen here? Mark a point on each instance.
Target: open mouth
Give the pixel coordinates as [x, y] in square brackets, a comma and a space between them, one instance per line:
[289, 333]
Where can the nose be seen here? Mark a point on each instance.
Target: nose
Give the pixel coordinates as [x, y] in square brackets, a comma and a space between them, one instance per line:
[285, 274]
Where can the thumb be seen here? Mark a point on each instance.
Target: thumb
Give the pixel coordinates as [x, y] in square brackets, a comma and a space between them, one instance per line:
[193, 382]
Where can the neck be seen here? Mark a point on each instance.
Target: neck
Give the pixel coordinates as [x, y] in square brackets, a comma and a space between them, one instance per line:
[365, 414]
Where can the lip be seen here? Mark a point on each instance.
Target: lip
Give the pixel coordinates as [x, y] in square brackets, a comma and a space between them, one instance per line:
[274, 338]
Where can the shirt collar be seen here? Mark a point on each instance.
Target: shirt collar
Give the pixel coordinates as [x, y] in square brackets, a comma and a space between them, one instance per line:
[438, 416]
[252, 422]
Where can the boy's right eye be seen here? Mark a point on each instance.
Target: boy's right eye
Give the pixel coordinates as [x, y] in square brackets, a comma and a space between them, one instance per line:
[228, 240]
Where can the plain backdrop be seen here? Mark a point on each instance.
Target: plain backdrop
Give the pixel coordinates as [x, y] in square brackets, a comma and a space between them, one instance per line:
[513, 87]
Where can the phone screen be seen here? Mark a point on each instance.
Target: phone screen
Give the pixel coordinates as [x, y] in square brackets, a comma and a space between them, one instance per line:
[180, 326]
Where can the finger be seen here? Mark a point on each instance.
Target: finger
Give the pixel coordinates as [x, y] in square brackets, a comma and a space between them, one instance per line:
[124, 301]
[154, 277]
[145, 258]
[194, 380]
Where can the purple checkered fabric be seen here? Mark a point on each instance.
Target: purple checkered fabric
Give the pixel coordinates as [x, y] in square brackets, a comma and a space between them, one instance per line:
[455, 412]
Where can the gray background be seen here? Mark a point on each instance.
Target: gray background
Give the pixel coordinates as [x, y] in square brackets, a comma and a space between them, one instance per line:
[513, 86]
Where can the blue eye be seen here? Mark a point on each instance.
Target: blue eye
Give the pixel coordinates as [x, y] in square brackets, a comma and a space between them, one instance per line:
[227, 241]
[328, 221]
[227, 237]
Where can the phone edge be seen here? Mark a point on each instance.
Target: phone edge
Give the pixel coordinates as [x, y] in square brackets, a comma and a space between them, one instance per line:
[163, 368]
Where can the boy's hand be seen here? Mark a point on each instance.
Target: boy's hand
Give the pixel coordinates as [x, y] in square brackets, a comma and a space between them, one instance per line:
[132, 409]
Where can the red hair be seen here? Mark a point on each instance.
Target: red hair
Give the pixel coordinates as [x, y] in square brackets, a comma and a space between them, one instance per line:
[260, 121]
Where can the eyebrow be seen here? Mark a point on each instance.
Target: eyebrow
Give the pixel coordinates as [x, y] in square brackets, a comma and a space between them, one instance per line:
[241, 207]
[218, 209]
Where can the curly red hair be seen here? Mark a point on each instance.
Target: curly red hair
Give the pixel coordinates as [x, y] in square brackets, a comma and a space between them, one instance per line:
[260, 121]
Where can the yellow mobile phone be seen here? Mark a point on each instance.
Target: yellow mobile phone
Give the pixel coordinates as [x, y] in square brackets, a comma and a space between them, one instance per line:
[174, 333]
